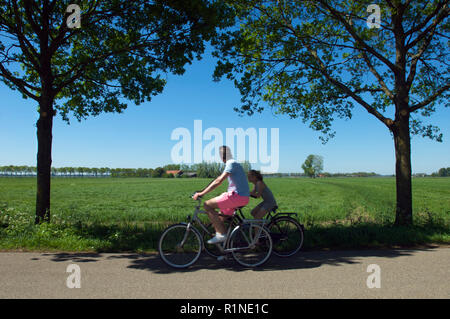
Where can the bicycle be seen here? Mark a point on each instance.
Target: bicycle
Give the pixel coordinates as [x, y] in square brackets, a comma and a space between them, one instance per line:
[248, 241]
[286, 232]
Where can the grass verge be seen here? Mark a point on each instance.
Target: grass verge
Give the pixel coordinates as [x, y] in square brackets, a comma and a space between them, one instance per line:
[18, 232]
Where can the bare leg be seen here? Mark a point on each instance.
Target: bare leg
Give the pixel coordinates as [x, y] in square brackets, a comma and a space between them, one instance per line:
[216, 220]
[259, 212]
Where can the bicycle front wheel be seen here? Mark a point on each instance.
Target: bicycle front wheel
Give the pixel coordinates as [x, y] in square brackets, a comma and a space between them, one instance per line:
[287, 236]
[179, 246]
[251, 245]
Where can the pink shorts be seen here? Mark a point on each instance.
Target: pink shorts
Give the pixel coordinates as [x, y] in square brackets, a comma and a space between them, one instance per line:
[229, 201]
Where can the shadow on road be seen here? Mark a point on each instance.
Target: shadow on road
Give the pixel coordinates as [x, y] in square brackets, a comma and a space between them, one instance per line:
[303, 260]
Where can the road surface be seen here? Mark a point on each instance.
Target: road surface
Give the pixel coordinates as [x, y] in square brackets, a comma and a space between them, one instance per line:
[399, 273]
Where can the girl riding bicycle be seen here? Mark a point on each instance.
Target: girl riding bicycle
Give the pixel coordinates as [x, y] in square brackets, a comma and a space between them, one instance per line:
[261, 190]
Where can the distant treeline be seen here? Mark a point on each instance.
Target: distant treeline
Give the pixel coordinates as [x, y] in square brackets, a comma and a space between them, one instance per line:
[12, 170]
[203, 170]
[442, 172]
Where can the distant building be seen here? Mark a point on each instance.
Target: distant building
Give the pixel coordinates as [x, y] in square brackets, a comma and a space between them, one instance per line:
[176, 173]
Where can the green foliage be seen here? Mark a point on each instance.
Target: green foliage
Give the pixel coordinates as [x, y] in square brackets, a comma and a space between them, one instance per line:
[313, 165]
[171, 167]
[442, 172]
[316, 60]
[208, 170]
[122, 51]
[158, 172]
[211, 170]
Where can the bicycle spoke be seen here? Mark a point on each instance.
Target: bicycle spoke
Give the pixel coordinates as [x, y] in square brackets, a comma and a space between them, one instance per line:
[287, 236]
[180, 247]
[250, 249]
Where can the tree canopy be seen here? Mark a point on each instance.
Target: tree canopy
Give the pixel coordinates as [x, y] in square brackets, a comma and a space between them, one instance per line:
[316, 60]
[313, 165]
[122, 51]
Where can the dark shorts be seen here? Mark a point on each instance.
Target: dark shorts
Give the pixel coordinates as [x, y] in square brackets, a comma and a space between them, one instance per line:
[268, 206]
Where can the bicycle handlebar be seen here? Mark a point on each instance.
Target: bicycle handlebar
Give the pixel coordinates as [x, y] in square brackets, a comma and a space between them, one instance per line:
[198, 198]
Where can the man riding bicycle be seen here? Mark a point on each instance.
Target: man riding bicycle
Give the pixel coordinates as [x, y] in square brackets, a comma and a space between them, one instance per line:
[236, 196]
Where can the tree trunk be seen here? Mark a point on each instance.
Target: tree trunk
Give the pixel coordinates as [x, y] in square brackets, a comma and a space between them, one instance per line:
[402, 140]
[44, 159]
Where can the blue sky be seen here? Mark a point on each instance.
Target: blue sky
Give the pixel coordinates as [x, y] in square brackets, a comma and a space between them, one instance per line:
[140, 137]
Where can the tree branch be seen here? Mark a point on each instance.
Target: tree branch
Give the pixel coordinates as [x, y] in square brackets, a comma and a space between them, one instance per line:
[29, 15]
[20, 84]
[427, 19]
[61, 37]
[440, 17]
[322, 69]
[82, 66]
[429, 99]
[378, 76]
[340, 17]
[25, 45]
[415, 59]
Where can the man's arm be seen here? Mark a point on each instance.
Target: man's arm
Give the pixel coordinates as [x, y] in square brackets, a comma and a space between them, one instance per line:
[213, 185]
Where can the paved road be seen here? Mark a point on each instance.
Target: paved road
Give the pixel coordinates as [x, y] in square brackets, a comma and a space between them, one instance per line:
[415, 273]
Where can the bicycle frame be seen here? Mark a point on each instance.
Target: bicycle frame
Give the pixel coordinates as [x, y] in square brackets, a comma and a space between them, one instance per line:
[276, 214]
[230, 231]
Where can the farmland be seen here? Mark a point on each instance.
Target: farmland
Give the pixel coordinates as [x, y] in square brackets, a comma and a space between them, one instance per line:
[128, 214]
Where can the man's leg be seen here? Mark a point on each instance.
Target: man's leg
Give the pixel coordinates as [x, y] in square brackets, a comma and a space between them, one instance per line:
[210, 207]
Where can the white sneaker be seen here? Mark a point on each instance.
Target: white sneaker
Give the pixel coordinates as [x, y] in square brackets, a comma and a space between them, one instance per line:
[219, 238]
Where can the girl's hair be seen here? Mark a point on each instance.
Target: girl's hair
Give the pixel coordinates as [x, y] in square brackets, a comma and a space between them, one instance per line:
[257, 174]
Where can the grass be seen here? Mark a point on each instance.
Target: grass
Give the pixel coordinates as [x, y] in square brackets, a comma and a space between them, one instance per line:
[109, 214]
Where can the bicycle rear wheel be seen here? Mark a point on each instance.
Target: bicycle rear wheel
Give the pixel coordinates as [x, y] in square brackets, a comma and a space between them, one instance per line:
[287, 236]
[248, 251]
[179, 246]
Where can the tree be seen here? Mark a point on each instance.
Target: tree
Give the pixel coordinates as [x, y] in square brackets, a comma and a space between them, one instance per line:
[172, 167]
[313, 165]
[158, 172]
[444, 172]
[316, 60]
[121, 51]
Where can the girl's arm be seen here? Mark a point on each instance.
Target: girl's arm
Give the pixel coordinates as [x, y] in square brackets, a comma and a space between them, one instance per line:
[253, 192]
[259, 187]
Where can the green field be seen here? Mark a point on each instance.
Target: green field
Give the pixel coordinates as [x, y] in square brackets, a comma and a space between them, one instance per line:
[128, 214]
